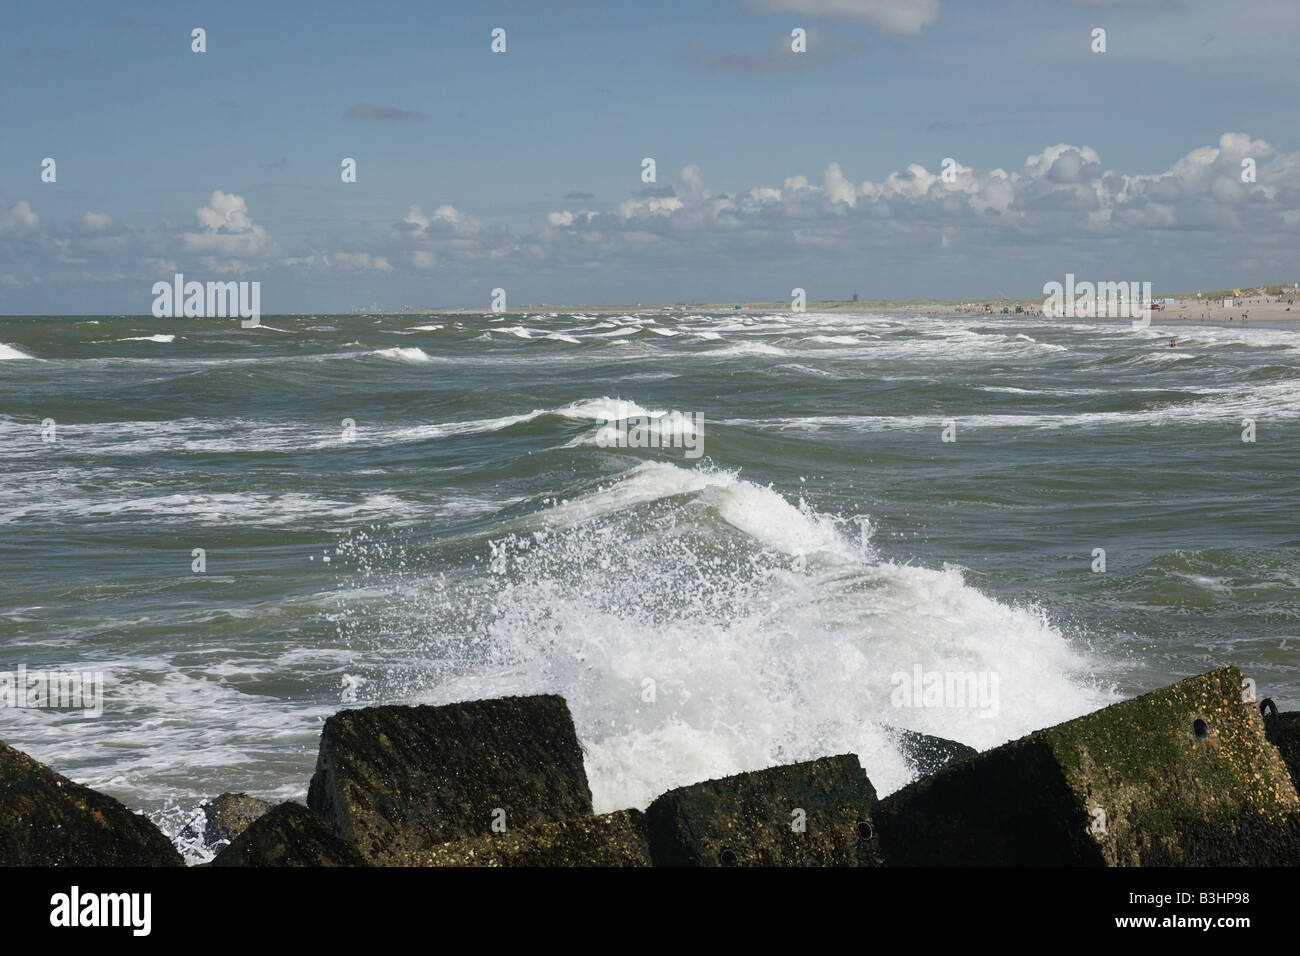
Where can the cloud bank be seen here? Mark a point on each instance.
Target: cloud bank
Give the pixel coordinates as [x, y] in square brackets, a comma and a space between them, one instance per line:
[1062, 200]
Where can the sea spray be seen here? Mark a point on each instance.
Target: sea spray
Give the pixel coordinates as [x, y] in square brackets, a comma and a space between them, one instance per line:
[699, 625]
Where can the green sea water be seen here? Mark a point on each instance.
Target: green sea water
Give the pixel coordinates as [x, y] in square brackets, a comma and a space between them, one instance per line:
[399, 508]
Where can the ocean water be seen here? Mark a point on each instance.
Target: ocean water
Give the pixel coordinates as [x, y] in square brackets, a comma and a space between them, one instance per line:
[476, 534]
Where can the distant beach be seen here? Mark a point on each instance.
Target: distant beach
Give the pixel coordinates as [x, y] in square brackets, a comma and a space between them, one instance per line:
[1214, 307]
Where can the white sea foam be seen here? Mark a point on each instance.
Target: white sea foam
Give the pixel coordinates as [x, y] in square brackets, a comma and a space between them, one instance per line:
[604, 408]
[660, 428]
[247, 508]
[835, 339]
[410, 355]
[778, 646]
[8, 353]
[1272, 401]
[591, 409]
[446, 429]
[750, 348]
[224, 435]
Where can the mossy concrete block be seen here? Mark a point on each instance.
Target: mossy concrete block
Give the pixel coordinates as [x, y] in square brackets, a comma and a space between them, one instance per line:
[807, 814]
[1283, 732]
[399, 780]
[611, 839]
[289, 835]
[229, 815]
[47, 820]
[1181, 776]
[926, 753]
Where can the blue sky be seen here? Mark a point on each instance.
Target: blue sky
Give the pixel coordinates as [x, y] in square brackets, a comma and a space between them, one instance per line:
[523, 169]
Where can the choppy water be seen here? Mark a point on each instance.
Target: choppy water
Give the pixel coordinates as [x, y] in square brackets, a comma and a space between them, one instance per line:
[475, 539]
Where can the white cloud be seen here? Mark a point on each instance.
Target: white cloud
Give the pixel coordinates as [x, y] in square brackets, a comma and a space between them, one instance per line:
[96, 222]
[19, 220]
[225, 212]
[340, 262]
[446, 238]
[839, 189]
[1062, 199]
[1064, 164]
[1058, 196]
[415, 216]
[650, 206]
[446, 218]
[226, 229]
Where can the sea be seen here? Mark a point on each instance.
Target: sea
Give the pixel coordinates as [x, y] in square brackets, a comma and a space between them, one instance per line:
[729, 539]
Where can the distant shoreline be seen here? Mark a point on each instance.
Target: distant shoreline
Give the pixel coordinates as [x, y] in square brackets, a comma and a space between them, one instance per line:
[1184, 308]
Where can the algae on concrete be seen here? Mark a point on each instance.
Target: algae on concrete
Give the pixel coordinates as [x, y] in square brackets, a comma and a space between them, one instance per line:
[1283, 732]
[230, 815]
[817, 813]
[610, 839]
[47, 820]
[1177, 777]
[401, 780]
[289, 835]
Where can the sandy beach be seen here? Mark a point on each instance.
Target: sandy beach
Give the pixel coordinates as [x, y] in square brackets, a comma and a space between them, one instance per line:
[1209, 308]
[1270, 309]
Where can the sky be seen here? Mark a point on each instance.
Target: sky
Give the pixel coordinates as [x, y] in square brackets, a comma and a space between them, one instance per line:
[523, 169]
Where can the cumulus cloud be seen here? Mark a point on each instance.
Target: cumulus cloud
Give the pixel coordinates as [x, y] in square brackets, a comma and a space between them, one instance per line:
[96, 222]
[839, 189]
[1060, 194]
[1065, 164]
[445, 238]
[446, 219]
[339, 262]
[1061, 201]
[19, 220]
[226, 229]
